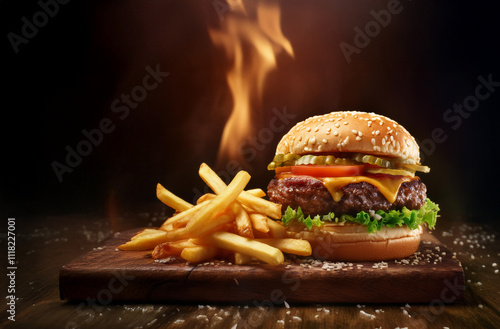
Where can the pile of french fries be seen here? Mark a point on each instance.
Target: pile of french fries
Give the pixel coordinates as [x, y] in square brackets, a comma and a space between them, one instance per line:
[230, 223]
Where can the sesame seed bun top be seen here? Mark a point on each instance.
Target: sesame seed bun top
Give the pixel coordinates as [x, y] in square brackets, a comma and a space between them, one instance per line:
[350, 131]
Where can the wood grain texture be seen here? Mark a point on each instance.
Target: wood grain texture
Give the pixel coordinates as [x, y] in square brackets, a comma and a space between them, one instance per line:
[105, 273]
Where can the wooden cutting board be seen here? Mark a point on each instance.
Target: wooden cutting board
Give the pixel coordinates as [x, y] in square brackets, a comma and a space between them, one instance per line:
[106, 274]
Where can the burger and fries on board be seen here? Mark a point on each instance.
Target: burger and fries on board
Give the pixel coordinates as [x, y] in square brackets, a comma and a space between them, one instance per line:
[344, 182]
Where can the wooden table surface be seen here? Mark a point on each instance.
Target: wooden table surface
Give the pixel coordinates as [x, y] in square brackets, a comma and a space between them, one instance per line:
[44, 244]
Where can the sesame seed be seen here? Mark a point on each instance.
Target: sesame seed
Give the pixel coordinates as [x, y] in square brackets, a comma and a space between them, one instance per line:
[316, 129]
[325, 141]
[373, 141]
[377, 132]
[335, 133]
[355, 132]
[345, 123]
[337, 125]
[358, 138]
[360, 134]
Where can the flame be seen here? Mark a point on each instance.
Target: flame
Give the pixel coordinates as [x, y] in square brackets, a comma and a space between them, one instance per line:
[251, 37]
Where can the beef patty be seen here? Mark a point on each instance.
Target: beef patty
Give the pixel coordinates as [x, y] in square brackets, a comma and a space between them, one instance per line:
[314, 198]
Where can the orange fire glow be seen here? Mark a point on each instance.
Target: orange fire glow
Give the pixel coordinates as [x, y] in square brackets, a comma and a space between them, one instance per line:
[251, 36]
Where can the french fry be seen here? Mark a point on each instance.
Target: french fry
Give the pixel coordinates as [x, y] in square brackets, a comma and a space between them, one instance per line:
[247, 208]
[205, 197]
[179, 223]
[198, 253]
[261, 235]
[271, 209]
[243, 223]
[276, 229]
[252, 248]
[183, 217]
[170, 199]
[241, 259]
[145, 242]
[167, 227]
[268, 208]
[144, 232]
[209, 226]
[291, 246]
[220, 202]
[257, 192]
[168, 249]
[259, 222]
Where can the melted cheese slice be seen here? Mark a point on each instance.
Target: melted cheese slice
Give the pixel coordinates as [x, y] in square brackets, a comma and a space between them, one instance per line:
[388, 186]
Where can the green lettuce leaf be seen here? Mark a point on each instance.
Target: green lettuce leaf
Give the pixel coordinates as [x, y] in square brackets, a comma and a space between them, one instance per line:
[374, 220]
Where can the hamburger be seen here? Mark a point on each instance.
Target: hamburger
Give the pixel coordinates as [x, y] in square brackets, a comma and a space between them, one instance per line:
[346, 182]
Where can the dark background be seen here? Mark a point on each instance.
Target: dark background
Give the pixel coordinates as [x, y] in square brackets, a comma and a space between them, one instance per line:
[66, 77]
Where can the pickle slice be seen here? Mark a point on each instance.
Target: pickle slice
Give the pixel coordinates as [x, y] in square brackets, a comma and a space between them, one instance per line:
[271, 166]
[391, 164]
[304, 160]
[290, 157]
[371, 159]
[346, 162]
[284, 160]
[414, 167]
[329, 160]
[278, 158]
[395, 172]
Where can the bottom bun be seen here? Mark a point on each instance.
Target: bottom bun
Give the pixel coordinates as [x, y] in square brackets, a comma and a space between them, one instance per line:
[352, 242]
